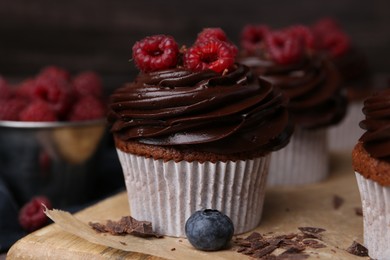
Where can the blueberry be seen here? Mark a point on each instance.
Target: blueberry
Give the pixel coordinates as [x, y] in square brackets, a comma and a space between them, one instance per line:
[209, 230]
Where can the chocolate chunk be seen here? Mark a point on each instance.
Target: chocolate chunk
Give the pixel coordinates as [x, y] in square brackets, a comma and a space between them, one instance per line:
[337, 201]
[126, 225]
[314, 230]
[265, 251]
[357, 249]
[359, 211]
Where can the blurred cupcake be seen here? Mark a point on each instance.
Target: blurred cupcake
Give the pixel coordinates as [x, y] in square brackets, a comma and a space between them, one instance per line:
[371, 162]
[332, 41]
[194, 130]
[312, 84]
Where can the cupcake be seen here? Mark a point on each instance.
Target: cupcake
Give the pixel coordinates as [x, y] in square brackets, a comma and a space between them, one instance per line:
[371, 162]
[332, 41]
[194, 130]
[286, 59]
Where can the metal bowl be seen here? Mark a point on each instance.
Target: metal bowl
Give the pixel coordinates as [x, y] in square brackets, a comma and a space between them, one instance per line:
[49, 158]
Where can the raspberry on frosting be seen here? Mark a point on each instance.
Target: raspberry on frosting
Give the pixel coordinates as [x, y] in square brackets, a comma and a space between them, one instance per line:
[156, 52]
[212, 50]
[212, 54]
[252, 37]
[283, 47]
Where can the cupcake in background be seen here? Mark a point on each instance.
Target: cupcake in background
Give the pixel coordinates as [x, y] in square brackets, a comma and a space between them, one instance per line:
[371, 162]
[287, 59]
[194, 130]
[332, 41]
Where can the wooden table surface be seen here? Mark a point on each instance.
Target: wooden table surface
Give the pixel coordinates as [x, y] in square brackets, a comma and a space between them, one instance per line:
[285, 210]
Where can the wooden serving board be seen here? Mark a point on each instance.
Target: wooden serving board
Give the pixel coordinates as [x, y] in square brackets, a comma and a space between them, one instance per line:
[285, 210]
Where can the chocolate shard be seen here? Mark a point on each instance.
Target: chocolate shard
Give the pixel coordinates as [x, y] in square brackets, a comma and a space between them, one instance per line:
[337, 201]
[265, 251]
[357, 249]
[127, 225]
[314, 230]
[359, 211]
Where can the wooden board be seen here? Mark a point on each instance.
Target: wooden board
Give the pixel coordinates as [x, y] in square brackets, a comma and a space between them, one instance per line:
[285, 210]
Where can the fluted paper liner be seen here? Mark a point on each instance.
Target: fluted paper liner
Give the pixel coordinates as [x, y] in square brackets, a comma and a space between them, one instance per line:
[304, 160]
[167, 193]
[376, 217]
[342, 137]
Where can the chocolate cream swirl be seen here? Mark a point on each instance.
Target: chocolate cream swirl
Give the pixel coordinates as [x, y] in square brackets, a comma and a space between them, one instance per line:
[312, 86]
[376, 139]
[202, 111]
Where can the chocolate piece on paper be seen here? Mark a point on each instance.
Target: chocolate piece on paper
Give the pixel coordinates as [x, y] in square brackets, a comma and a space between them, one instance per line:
[126, 225]
[337, 201]
[357, 249]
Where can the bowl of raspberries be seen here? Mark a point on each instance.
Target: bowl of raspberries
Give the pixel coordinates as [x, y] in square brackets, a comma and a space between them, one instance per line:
[51, 127]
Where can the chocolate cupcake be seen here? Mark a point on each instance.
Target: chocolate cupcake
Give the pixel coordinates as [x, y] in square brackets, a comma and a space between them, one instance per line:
[286, 59]
[356, 80]
[371, 162]
[195, 130]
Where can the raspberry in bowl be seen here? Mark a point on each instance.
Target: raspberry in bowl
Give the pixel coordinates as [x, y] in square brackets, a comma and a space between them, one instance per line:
[194, 130]
[51, 126]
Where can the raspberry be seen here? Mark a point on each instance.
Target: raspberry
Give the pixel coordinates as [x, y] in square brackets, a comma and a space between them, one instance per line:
[252, 36]
[156, 52]
[32, 216]
[304, 33]
[215, 33]
[283, 47]
[11, 108]
[25, 88]
[38, 111]
[88, 83]
[5, 91]
[336, 43]
[54, 91]
[212, 54]
[326, 24]
[87, 108]
[54, 72]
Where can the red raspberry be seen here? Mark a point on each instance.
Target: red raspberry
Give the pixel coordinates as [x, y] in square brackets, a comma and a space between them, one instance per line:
[215, 33]
[38, 111]
[54, 91]
[88, 83]
[54, 72]
[87, 108]
[156, 52]
[11, 108]
[32, 216]
[5, 91]
[325, 24]
[252, 36]
[304, 33]
[25, 88]
[212, 54]
[335, 43]
[283, 47]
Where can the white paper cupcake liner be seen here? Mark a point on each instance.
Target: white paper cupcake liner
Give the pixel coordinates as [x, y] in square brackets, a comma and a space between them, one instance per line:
[343, 137]
[167, 193]
[376, 217]
[304, 160]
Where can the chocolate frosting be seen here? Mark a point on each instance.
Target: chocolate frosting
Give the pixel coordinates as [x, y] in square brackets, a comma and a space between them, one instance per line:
[203, 111]
[312, 85]
[376, 139]
[355, 74]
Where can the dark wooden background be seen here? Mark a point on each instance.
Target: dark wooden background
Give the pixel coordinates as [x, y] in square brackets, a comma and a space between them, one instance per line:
[80, 34]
